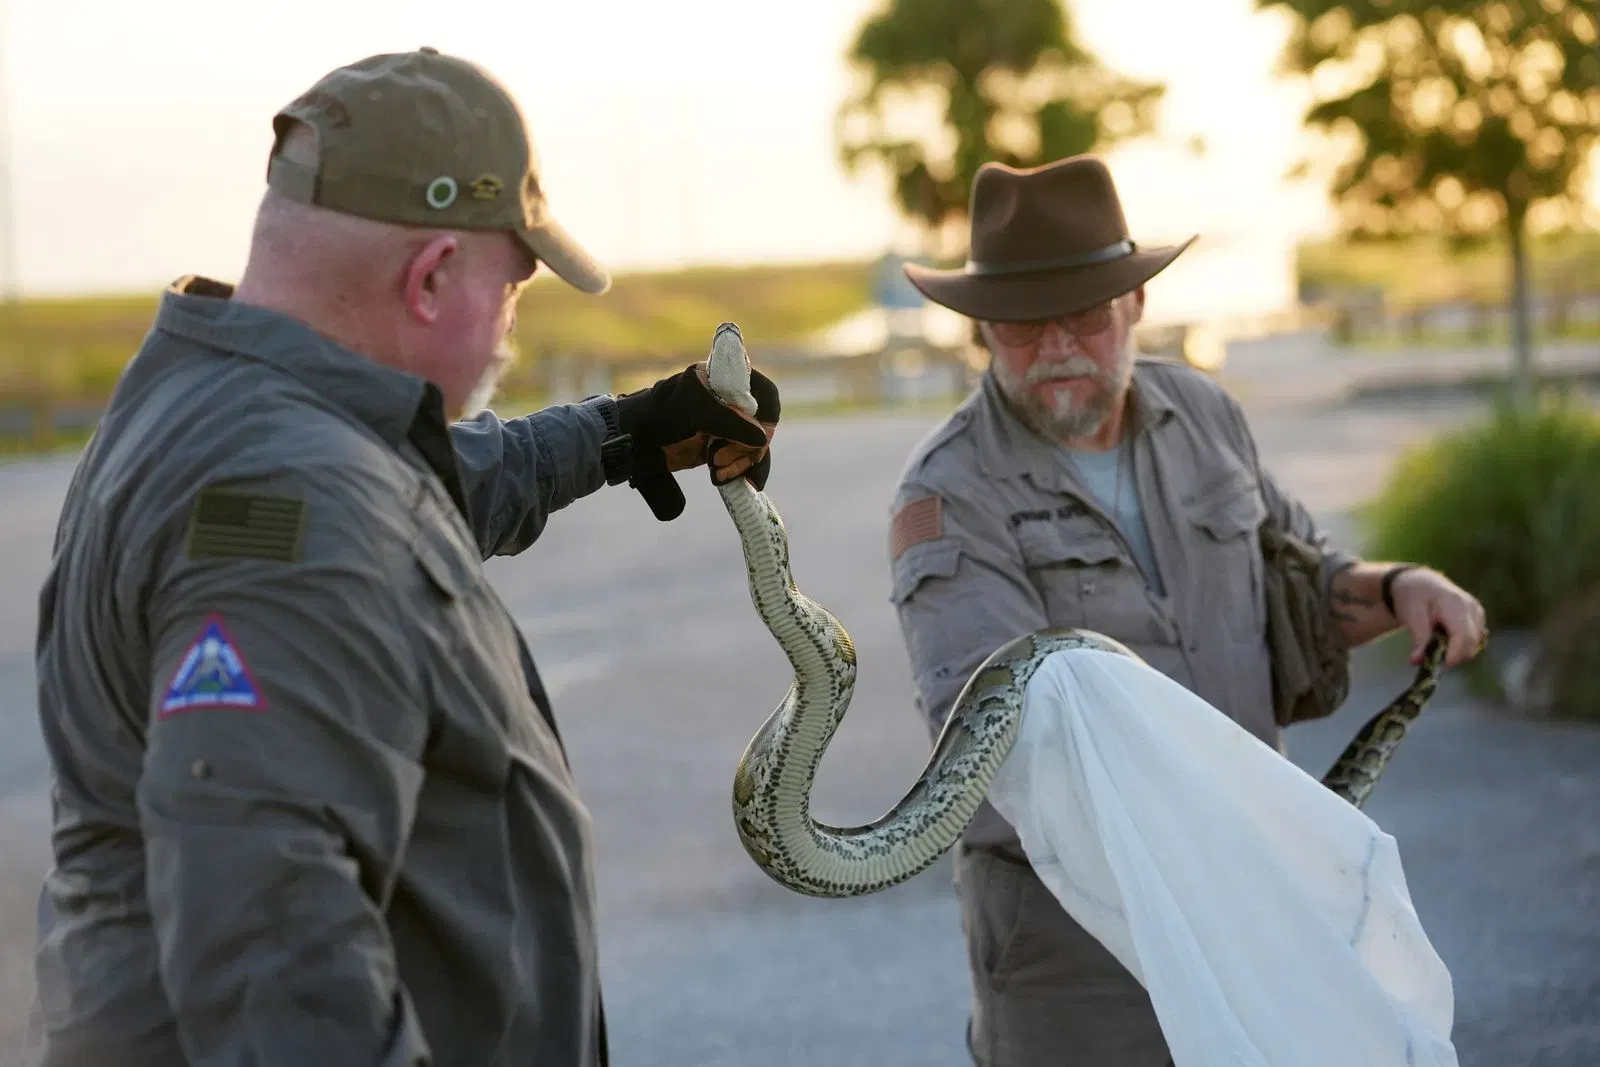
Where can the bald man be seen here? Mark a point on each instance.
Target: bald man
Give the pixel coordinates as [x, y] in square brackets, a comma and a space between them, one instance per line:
[311, 805]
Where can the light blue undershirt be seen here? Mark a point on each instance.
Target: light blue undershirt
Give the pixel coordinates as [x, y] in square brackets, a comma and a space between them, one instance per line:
[1099, 473]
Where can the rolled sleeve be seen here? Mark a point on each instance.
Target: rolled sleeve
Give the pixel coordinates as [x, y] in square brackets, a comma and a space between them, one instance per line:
[960, 592]
[278, 790]
[517, 472]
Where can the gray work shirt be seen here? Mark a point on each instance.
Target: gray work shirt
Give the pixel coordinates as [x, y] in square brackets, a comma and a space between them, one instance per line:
[994, 535]
[309, 804]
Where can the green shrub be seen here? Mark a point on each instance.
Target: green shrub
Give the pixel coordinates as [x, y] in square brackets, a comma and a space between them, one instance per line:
[1509, 509]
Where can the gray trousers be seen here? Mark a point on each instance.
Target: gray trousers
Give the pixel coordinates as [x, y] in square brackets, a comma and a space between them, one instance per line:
[1044, 992]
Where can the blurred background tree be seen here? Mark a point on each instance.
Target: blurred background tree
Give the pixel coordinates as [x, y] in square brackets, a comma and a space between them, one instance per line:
[952, 84]
[1469, 118]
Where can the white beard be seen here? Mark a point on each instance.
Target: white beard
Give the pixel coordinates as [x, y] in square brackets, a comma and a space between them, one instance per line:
[505, 354]
[1064, 419]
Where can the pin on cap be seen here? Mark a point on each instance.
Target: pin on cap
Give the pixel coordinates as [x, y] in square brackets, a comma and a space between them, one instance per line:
[400, 135]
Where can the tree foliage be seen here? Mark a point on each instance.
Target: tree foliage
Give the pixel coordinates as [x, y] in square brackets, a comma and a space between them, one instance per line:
[1469, 117]
[1470, 114]
[1009, 82]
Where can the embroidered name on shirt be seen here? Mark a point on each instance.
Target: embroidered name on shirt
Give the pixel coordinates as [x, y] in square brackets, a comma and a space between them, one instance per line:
[212, 674]
[1069, 510]
[229, 524]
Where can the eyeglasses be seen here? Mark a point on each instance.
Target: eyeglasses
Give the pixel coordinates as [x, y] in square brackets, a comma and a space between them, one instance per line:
[1085, 323]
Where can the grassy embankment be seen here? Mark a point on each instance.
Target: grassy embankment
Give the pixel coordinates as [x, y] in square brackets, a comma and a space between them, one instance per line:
[1417, 275]
[74, 349]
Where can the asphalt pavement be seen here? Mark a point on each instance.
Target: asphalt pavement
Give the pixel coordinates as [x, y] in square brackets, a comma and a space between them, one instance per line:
[661, 673]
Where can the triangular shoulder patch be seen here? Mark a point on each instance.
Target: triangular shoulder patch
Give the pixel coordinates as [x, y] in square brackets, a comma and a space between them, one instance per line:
[212, 674]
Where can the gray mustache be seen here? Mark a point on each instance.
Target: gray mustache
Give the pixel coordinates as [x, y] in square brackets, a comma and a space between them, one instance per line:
[1075, 367]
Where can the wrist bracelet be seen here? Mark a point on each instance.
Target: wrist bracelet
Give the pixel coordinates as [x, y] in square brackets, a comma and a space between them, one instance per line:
[1387, 587]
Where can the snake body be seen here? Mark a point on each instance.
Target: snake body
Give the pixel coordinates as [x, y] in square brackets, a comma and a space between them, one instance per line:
[772, 784]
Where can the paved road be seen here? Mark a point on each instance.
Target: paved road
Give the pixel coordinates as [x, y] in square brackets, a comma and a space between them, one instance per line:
[660, 677]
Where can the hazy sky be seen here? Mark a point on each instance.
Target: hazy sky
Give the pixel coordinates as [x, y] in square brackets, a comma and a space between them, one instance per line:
[694, 131]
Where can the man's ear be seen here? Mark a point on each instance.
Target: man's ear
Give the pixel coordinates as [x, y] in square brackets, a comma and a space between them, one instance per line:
[426, 274]
[1138, 304]
[980, 336]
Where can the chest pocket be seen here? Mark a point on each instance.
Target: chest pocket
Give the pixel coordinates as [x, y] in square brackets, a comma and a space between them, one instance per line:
[1086, 579]
[471, 663]
[1226, 570]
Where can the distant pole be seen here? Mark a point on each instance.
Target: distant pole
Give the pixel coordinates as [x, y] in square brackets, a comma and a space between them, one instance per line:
[10, 275]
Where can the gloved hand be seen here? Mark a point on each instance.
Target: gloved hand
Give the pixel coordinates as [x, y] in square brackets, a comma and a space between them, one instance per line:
[677, 424]
[730, 459]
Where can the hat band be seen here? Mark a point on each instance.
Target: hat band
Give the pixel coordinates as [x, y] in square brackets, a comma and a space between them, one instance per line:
[1122, 248]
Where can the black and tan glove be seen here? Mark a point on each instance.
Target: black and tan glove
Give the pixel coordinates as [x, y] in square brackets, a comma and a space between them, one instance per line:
[677, 424]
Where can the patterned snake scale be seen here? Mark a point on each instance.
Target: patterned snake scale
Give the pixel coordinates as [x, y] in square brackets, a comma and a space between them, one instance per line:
[772, 785]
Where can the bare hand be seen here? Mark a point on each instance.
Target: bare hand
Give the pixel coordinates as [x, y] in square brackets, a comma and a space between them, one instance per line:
[1423, 599]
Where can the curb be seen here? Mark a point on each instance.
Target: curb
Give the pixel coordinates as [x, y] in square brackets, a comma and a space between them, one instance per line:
[1482, 371]
[1398, 387]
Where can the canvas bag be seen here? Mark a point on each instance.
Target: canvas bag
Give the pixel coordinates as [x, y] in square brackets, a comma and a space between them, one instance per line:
[1310, 660]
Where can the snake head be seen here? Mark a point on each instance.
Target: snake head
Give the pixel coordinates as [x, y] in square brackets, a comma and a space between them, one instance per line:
[728, 369]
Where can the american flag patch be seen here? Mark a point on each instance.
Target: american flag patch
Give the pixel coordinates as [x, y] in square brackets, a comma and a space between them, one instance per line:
[239, 525]
[917, 521]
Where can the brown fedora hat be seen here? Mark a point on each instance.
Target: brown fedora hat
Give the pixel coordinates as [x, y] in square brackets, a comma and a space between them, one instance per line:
[1046, 241]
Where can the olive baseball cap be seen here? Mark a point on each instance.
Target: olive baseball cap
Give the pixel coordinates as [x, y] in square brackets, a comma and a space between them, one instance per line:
[426, 139]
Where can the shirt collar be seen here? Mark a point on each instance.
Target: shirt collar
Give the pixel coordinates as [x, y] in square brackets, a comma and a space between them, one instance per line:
[385, 399]
[1008, 448]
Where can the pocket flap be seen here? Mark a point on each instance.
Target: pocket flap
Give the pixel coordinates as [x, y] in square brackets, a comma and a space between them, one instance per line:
[929, 559]
[1233, 508]
[1067, 544]
[442, 563]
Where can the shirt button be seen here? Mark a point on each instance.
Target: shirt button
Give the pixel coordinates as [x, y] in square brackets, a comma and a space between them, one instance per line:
[1088, 587]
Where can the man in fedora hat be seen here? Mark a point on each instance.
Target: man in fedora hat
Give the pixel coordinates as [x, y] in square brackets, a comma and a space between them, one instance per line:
[311, 805]
[1080, 486]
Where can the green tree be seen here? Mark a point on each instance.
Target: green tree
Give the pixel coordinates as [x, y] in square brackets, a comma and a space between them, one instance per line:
[951, 84]
[1464, 117]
